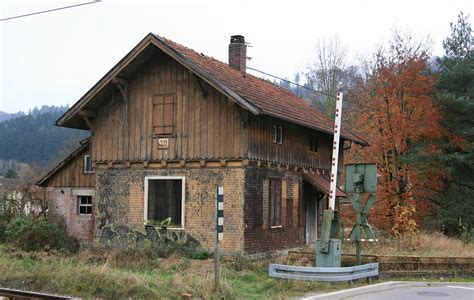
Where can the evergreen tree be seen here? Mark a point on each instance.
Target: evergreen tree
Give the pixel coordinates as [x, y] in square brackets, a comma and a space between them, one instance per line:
[456, 95]
[11, 174]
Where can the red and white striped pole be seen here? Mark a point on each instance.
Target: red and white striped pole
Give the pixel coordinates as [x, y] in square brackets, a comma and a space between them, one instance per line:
[335, 152]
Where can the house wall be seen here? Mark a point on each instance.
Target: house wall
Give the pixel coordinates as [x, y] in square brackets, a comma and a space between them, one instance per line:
[120, 200]
[258, 235]
[206, 126]
[72, 174]
[63, 208]
[295, 149]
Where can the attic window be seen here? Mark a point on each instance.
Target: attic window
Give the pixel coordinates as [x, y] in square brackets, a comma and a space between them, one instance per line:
[88, 168]
[313, 143]
[277, 134]
[163, 114]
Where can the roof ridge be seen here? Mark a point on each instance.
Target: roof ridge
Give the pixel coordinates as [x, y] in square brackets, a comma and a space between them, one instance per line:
[245, 75]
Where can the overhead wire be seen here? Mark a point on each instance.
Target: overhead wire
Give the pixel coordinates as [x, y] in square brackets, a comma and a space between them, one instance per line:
[333, 96]
[48, 10]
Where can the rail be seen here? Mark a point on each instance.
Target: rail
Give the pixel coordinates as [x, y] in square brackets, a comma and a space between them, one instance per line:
[16, 294]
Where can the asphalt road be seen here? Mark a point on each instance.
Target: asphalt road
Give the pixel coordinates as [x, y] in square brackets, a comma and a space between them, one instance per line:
[396, 290]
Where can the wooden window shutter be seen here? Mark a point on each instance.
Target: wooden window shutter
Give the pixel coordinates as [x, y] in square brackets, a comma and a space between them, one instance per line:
[271, 206]
[275, 202]
[163, 114]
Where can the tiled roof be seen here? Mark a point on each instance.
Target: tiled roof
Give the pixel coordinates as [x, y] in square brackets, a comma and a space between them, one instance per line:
[269, 98]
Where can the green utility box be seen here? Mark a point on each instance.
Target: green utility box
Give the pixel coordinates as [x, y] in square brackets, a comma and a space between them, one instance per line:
[330, 259]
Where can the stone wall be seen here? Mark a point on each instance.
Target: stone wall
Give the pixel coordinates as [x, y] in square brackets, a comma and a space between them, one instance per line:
[259, 236]
[120, 196]
[63, 208]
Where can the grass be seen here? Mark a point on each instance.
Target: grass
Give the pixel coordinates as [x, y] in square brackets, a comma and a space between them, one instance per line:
[105, 273]
[96, 274]
[422, 244]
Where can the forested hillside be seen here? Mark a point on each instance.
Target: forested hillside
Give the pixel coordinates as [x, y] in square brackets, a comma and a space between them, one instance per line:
[34, 139]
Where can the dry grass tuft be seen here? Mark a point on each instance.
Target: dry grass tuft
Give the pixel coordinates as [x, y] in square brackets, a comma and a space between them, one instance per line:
[422, 244]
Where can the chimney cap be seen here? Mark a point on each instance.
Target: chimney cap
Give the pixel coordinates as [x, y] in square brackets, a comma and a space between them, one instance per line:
[237, 39]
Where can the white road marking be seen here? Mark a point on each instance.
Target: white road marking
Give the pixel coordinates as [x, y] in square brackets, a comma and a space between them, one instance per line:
[460, 287]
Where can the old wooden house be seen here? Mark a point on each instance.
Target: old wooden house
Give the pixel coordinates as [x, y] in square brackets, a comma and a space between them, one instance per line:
[168, 124]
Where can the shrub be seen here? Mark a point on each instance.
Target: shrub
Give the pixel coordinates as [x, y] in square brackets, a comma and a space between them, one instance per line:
[32, 234]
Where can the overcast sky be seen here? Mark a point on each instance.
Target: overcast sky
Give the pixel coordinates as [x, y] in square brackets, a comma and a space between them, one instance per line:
[55, 58]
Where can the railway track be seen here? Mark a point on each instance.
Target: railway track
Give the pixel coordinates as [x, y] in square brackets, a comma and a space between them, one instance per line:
[20, 295]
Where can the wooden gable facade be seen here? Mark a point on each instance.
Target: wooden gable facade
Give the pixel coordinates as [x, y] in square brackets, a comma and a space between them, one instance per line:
[166, 100]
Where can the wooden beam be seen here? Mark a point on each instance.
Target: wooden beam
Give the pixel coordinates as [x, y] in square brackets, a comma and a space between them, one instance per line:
[87, 113]
[88, 122]
[205, 92]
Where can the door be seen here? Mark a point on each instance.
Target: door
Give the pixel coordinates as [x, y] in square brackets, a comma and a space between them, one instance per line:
[311, 221]
[310, 197]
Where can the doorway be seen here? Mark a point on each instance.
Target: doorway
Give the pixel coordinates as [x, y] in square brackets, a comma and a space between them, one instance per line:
[313, 201]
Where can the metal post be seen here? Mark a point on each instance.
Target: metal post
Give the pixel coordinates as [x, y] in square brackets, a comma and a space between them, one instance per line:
[358, 228]
[219, 234]
[335, 152]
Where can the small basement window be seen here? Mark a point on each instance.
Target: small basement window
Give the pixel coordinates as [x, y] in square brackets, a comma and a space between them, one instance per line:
[277, 134]
[84, 205]
[88, 164]
[165, 201]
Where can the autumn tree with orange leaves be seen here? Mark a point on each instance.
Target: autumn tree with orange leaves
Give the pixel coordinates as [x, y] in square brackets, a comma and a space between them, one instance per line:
[393, 107]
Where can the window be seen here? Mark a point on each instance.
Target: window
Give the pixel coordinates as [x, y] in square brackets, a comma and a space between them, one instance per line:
[84, 205]
[277, 134]
[313, 143]
[164, 202]
[163, 114]
[275, 202]
[88, 164]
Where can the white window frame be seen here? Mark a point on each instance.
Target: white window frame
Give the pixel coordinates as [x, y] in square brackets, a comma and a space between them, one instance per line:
[183, 196]
[280, 136]
[85, 205]
[92, 170]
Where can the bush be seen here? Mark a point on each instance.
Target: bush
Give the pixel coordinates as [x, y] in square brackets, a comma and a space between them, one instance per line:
[31, 234]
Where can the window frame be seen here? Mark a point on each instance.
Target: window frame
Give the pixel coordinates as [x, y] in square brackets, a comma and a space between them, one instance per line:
[277, 134]
[86, 170]
[183, 197]
[271, 205]
[86, 205]
[173, 117]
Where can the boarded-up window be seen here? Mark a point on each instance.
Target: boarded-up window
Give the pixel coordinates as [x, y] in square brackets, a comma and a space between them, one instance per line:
[165, 202]
[163, 114]
[274, 185]
[301, 208]
[289, 212]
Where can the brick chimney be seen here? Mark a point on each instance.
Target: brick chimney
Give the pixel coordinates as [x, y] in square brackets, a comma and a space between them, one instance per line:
[237, 53]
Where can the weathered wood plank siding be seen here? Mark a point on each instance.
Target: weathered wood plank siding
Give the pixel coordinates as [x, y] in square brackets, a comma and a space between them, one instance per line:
[295, 149]
[207, 124]
[72, 174]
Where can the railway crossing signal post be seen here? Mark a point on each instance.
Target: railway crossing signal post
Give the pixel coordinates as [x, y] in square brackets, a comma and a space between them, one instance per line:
[328, 253]
[360, 179]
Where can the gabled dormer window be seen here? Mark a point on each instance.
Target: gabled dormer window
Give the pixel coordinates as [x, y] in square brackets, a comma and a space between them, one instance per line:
[277, 134]
[88, 168]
